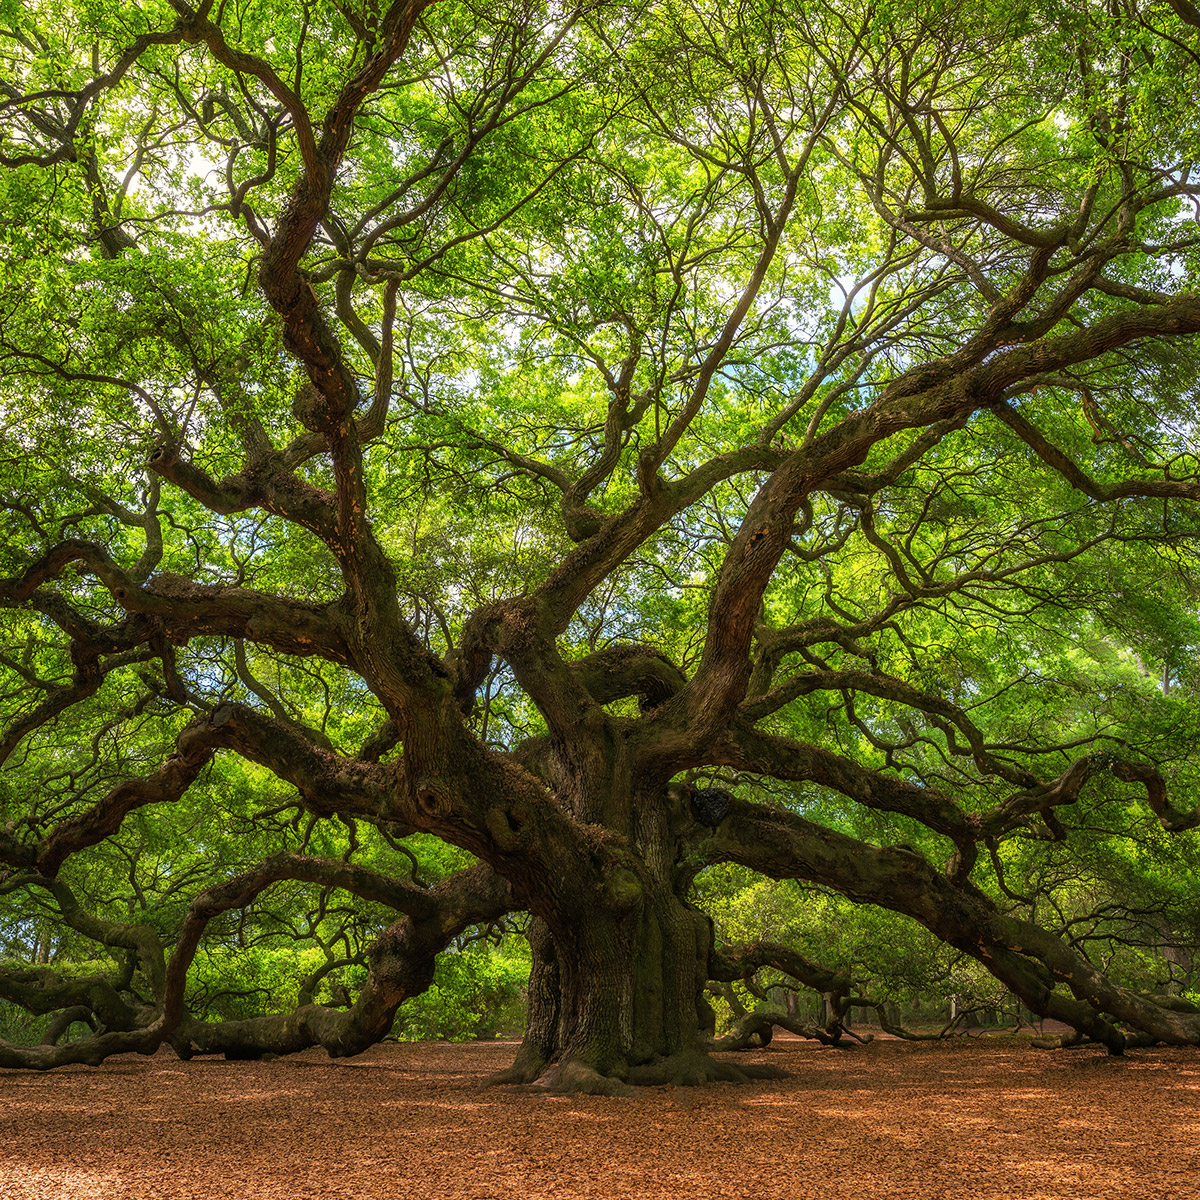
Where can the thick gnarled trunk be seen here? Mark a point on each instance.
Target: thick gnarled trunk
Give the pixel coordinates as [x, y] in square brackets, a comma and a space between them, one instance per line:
[617, 999]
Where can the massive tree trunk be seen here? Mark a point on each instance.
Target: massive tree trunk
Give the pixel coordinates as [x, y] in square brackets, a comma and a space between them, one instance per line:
[619, 1000]
[621, 959]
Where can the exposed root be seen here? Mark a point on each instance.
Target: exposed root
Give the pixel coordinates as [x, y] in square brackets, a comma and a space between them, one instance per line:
[526, 1068]
[577, 1078]
[695, 1069]
[574, 1077]
[571, 1078]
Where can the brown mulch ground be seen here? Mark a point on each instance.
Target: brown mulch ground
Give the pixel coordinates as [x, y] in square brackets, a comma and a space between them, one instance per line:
[985, 1120]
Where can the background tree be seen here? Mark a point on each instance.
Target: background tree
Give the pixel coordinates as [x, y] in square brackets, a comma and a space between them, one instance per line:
[610, 440]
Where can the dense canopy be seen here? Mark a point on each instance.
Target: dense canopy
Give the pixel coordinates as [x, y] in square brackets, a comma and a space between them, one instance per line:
[535, 465]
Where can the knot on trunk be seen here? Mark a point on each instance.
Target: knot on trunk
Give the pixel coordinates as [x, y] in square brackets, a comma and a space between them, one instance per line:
[505, 828]
[433, 797]
[624, 889]
[162, 456]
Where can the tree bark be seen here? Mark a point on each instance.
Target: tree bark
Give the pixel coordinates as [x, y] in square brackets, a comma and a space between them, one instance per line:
[616, 994]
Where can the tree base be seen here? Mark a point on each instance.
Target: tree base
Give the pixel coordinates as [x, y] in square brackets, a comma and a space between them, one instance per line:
[697, 1068]
[575, 1077]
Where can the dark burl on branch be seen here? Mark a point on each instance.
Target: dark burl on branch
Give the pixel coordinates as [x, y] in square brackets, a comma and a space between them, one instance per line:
[710, 806]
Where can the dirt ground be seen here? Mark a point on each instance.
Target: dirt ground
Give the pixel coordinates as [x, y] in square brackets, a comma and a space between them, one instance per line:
[985, 1120]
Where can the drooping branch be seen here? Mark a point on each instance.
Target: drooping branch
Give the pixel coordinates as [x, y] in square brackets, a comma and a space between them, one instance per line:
[401, 960]
[1028, 959]
[179, 608]
[1058, 460]
[193, 751]
[740, 962]
[327, 782]
[785, 758]
[839, 991]
[1046, 796]
[43, 991]
[401, 965]
[120, 1026]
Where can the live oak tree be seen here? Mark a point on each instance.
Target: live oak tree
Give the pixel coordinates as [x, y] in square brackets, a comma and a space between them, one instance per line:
[612, 439]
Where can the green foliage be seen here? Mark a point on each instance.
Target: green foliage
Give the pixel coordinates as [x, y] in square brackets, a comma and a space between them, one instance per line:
[619, 283]
[476, 993]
